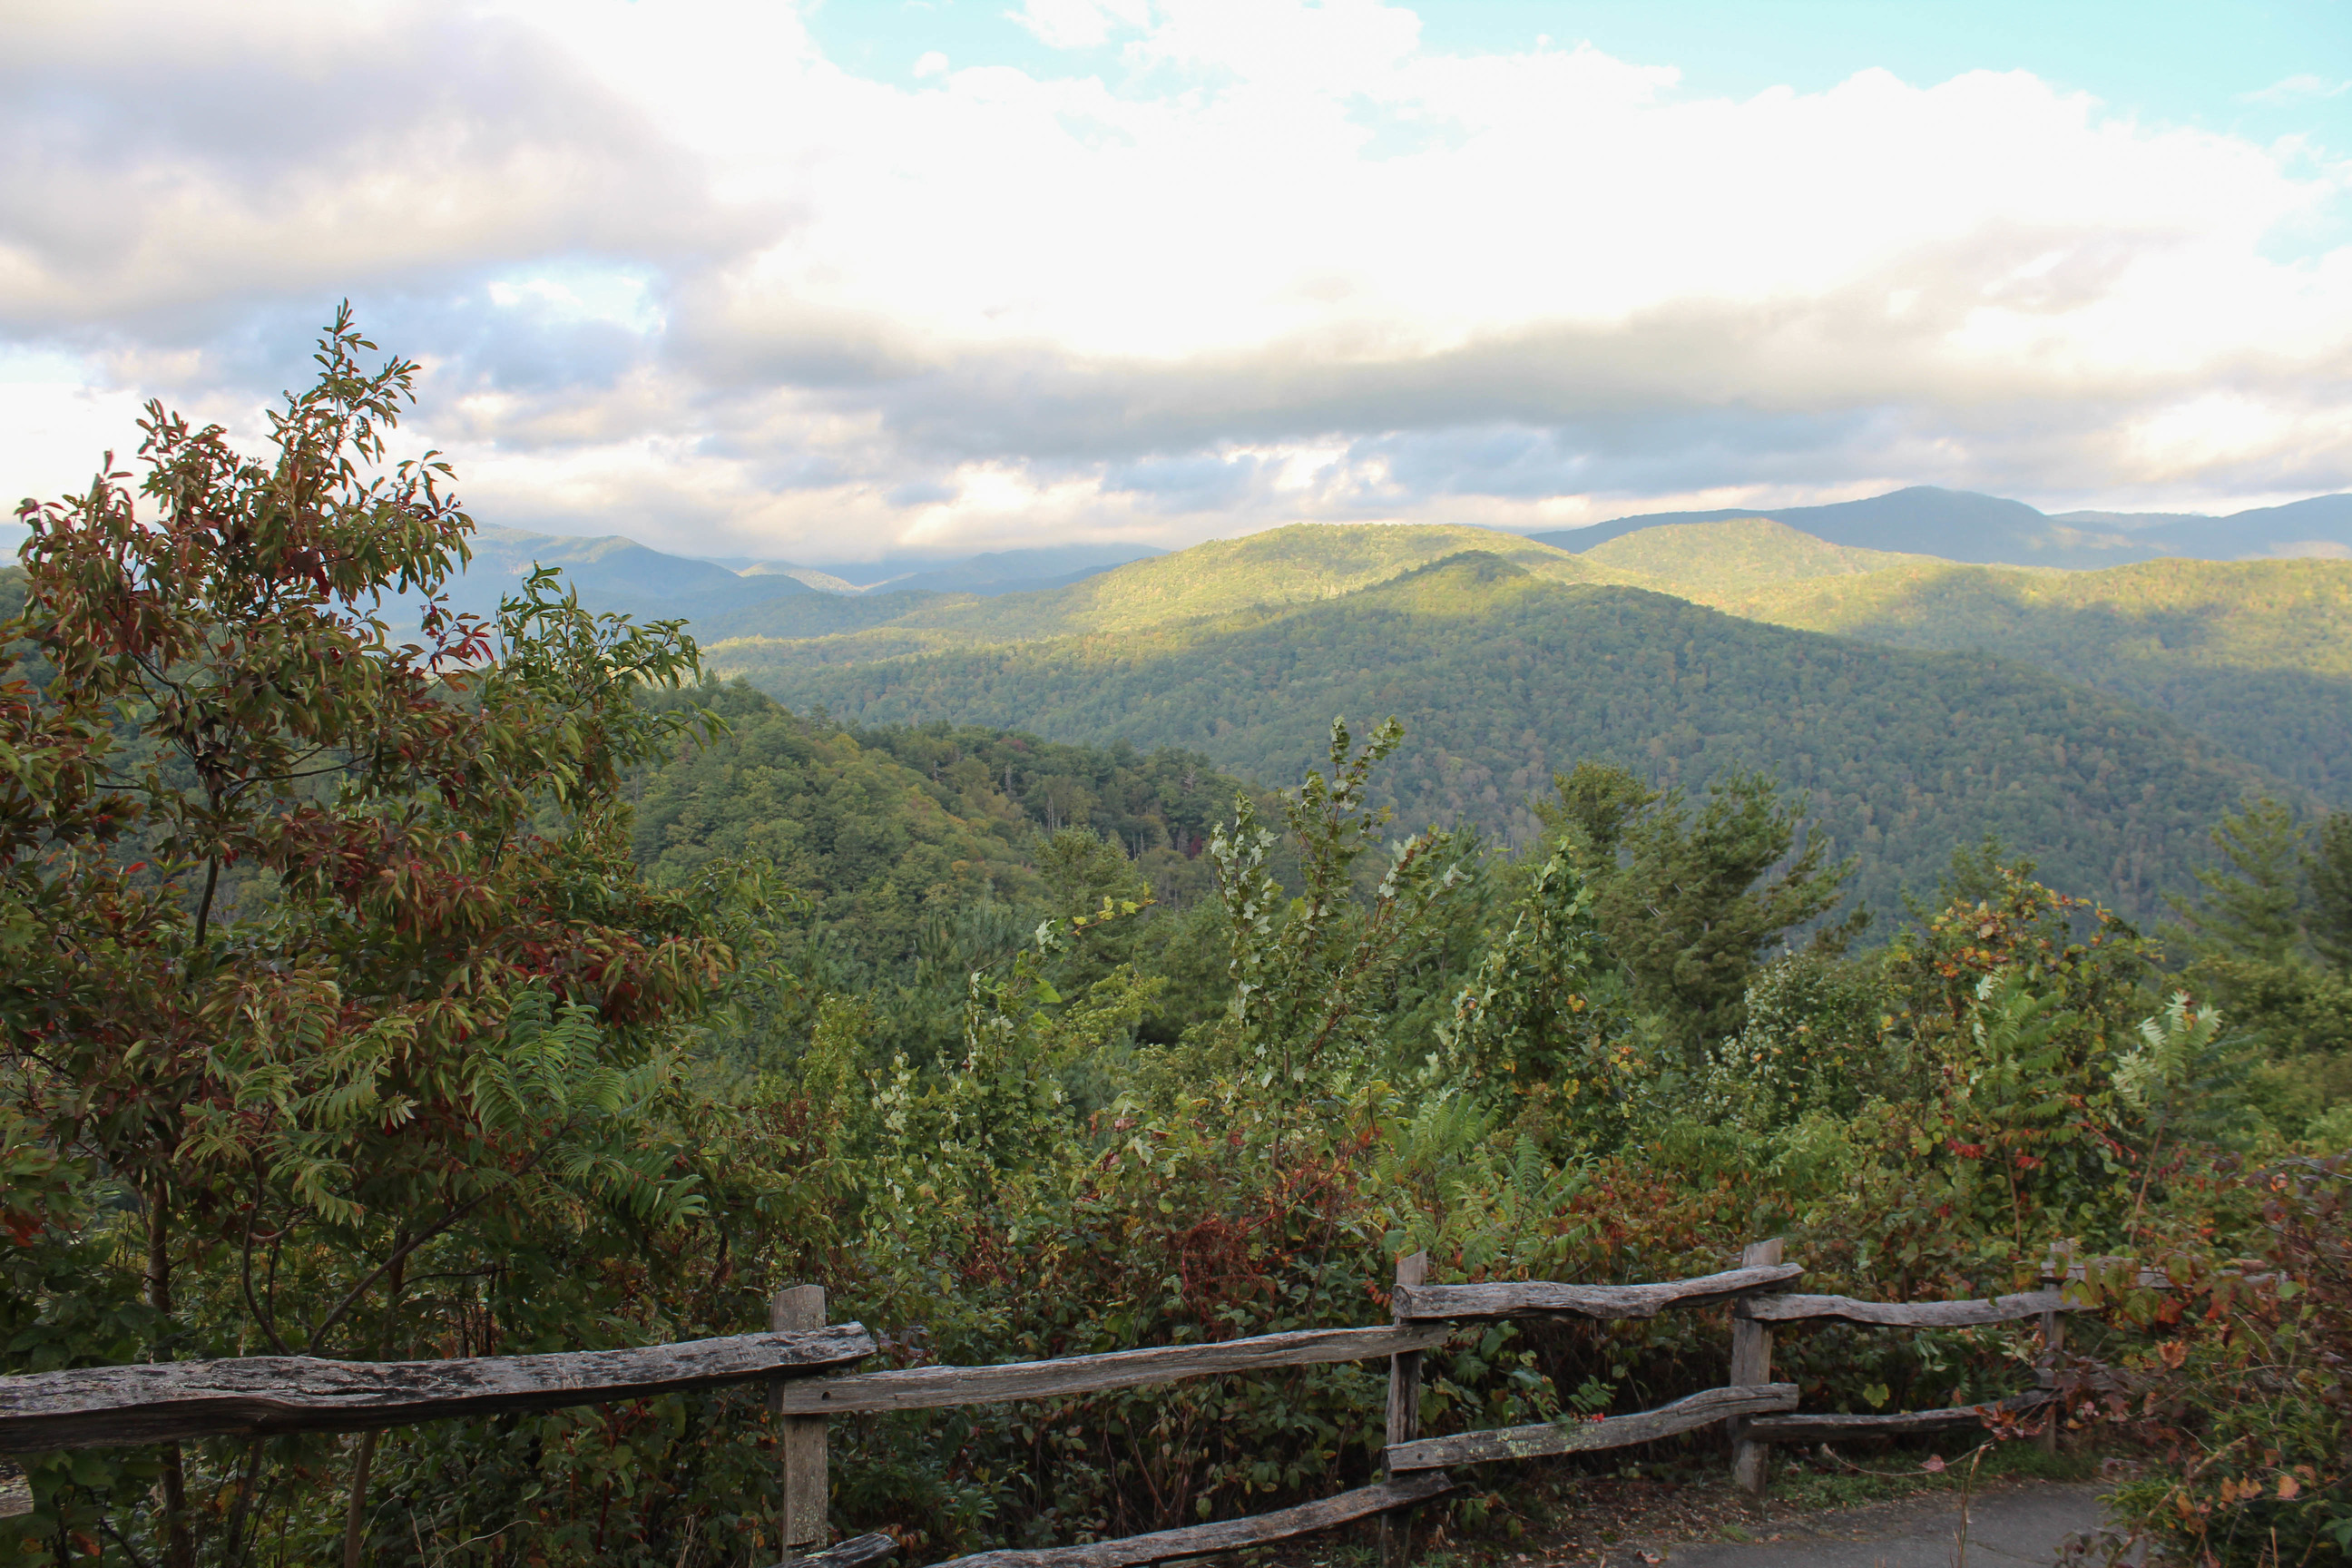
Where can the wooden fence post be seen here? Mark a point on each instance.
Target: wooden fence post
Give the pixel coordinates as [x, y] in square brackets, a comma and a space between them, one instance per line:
[2053, 1340]
[803, 1520]
[1404, 1420]
[1751, 1364]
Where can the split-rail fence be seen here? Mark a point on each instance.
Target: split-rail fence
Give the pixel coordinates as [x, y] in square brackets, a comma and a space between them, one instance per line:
[805, 1362]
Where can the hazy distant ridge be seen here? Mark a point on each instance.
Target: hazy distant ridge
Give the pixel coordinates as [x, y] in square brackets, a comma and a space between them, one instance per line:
[1962, 525]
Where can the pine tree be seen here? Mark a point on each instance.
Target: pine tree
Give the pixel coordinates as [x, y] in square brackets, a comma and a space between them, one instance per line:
[2252, 901]
[2330, 870]
[1692, 902]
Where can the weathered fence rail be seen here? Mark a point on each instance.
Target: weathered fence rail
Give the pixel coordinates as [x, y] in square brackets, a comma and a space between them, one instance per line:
[1543, 1298]
[1229, 1535]
[1907, 1314]
[162, 1401]
[930, 1387]
[1703, 1408]
[804, 1361]
[1899, 1424]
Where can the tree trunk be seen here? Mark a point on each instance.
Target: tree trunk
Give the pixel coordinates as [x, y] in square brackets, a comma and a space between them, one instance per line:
[179, 1551]
[356, 1515]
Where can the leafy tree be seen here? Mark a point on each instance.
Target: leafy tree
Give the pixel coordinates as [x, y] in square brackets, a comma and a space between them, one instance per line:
[384, 976]
[1307, 973]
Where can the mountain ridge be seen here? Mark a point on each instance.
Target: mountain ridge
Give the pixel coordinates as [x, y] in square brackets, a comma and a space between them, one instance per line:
[1504, 676]
[1984, 530]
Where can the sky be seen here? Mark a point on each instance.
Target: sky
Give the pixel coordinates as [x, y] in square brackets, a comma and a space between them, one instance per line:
[828, 282]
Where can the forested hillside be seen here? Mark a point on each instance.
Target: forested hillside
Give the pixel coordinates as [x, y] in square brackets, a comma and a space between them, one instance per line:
[884, 830]
[1300, 563]
[1710, 560]
[1503, 679]
[2254, 654]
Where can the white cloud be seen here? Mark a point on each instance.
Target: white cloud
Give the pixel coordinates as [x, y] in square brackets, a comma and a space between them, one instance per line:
[1078, 23]
[675, 274]
[2301, 88]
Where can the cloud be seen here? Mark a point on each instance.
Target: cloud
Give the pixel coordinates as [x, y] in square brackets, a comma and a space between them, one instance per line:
[2301, 88]
[673, 273]
[1078, 23]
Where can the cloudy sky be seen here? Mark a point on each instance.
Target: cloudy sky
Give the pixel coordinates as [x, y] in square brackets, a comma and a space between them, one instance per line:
[822, 283]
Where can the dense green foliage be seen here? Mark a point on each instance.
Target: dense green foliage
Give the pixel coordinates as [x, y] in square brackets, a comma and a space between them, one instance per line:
[1503, 679]
[2256, 656]
[2268, 937]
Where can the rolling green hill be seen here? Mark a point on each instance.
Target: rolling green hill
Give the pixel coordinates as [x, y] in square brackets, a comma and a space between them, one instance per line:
[1302, 563]
[1504, 677]
[1706, 561]
[2254, 654]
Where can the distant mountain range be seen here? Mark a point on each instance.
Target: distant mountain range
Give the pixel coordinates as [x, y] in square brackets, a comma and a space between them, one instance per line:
[1962, 525]
[2097, 719]
[2100, 720]
[620, 576]
[739, 597]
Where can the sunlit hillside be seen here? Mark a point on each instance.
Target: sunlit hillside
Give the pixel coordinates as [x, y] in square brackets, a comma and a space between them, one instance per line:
[1705, 561]
[1504, 678]
[1300, 565]
[2256, 655]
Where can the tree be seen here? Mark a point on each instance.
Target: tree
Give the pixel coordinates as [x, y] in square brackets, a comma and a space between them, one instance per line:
[2330, 869]
[1691, 904]
[381, 970]
[2251, 901]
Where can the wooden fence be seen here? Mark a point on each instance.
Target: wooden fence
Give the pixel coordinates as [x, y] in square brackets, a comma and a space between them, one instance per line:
[804, 1360]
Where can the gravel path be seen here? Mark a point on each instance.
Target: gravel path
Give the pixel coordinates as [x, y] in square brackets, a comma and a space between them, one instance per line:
[2008, 1527]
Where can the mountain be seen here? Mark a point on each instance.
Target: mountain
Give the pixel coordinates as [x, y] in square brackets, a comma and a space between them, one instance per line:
[2254, 654]
[1697, 560]
[823, 582]
[1000, 572]
[611, 574]
[1280, 566]
[618, 574]
[1961, 525]
[1504, 675]
[1019, 571]
[2321, 526]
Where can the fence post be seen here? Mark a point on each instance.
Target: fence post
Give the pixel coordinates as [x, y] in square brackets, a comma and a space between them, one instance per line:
[2053, 1340]
[803, 1519]
[1404, 1419]
[1751, 1364]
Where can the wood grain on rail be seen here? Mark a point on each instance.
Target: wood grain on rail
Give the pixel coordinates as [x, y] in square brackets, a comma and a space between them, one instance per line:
[159, 1402]
[1229, 1535]
[1902, 1424]
[926, 1387]
[1793, 1309]
[1539, 1298]
[1702, 1409]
